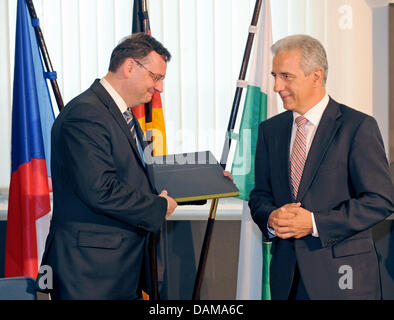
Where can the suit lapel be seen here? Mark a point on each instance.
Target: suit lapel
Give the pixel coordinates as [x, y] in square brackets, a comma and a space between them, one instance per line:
[328, 126]
[107, 100]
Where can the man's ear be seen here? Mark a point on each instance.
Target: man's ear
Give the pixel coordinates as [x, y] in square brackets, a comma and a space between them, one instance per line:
[318, 75]
[128, 67]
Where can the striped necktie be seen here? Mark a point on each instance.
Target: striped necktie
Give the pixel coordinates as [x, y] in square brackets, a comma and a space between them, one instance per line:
[298, 156]
[131, 123]
[129, 117]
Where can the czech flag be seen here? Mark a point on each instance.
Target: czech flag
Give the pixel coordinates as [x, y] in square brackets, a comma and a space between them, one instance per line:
[32, 119]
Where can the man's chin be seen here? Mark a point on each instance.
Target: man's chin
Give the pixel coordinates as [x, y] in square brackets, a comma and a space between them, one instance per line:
[149, 98]
[146, 101]
[288, 106]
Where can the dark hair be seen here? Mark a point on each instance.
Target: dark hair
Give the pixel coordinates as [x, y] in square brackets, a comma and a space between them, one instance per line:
[136, 46]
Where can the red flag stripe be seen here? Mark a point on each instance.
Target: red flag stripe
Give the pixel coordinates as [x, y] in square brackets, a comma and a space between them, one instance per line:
[28, 201]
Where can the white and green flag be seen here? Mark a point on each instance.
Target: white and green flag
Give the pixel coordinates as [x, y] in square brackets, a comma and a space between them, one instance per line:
[260, 104]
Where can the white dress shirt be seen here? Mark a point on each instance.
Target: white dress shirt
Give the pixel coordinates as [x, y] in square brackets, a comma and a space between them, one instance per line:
[114, 95]
[313, 116]
[121, 104]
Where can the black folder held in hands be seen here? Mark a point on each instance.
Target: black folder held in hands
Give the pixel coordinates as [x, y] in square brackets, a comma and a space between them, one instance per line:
[192, 176]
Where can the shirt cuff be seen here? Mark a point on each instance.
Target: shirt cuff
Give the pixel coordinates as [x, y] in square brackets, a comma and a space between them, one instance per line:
[271, 232]
[314, 231]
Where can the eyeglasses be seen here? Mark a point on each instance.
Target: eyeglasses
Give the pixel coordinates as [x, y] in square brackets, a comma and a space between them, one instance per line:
[155, 76]
[283, 76]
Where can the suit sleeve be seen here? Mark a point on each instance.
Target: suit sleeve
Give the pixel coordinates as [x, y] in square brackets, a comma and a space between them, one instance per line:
[90, 169]
[261, 201]
[372, 186]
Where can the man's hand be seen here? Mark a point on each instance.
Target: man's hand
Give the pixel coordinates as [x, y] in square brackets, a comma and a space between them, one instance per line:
[171, 203]
[228, 175]
[291, 221]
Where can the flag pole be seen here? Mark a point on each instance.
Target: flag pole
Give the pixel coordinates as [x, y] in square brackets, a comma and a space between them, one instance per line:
[45, 55]
[226, 150]
[144, 14]
[153, 238]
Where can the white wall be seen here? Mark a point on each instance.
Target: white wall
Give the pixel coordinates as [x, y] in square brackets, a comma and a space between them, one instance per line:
[380, 47]
[207, 40]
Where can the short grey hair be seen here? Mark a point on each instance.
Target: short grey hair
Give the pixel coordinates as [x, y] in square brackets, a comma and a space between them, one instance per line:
[313, 53]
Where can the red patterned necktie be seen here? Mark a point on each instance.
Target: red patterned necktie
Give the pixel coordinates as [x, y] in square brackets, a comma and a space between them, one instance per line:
[298, 155]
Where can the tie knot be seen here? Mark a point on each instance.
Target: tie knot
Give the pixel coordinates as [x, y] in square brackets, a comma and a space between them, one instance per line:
[300, 121]
[128, 115]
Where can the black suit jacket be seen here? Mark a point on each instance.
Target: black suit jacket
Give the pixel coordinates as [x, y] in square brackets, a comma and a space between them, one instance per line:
[104, 202]
[346, 184]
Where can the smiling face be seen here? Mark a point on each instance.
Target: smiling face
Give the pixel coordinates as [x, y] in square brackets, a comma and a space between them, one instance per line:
[141, 78]
[299, 92]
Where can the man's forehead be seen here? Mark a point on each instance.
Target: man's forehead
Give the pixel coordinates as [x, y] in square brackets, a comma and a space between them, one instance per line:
[287, 59]
[154, 57]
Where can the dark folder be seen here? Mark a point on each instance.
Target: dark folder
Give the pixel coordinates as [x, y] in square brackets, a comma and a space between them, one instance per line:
[192, 176]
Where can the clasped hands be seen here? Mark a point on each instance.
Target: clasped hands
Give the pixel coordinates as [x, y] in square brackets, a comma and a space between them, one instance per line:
[291, 221]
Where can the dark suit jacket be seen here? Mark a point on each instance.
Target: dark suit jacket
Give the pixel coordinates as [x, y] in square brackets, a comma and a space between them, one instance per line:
[346, 184]
[104, 202]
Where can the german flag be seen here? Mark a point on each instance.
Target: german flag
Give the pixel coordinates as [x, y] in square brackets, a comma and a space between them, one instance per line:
[151, 118]
[149, 115]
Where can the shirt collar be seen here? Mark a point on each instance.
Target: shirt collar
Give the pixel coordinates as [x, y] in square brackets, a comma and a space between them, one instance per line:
[114, 95]
[315, 113]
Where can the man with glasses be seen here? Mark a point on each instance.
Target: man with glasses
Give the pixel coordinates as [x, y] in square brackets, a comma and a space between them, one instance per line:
[322, 182]
[105, 202]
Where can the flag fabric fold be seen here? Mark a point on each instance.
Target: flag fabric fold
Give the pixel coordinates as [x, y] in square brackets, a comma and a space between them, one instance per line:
[150, 115]
[32, 119]
[151, 119]
[260, 104]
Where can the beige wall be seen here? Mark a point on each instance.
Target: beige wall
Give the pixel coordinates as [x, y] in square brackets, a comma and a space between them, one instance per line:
[349, 47]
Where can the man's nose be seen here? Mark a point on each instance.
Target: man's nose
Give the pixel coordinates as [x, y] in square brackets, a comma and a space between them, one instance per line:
[159, 86]
[279, 85]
